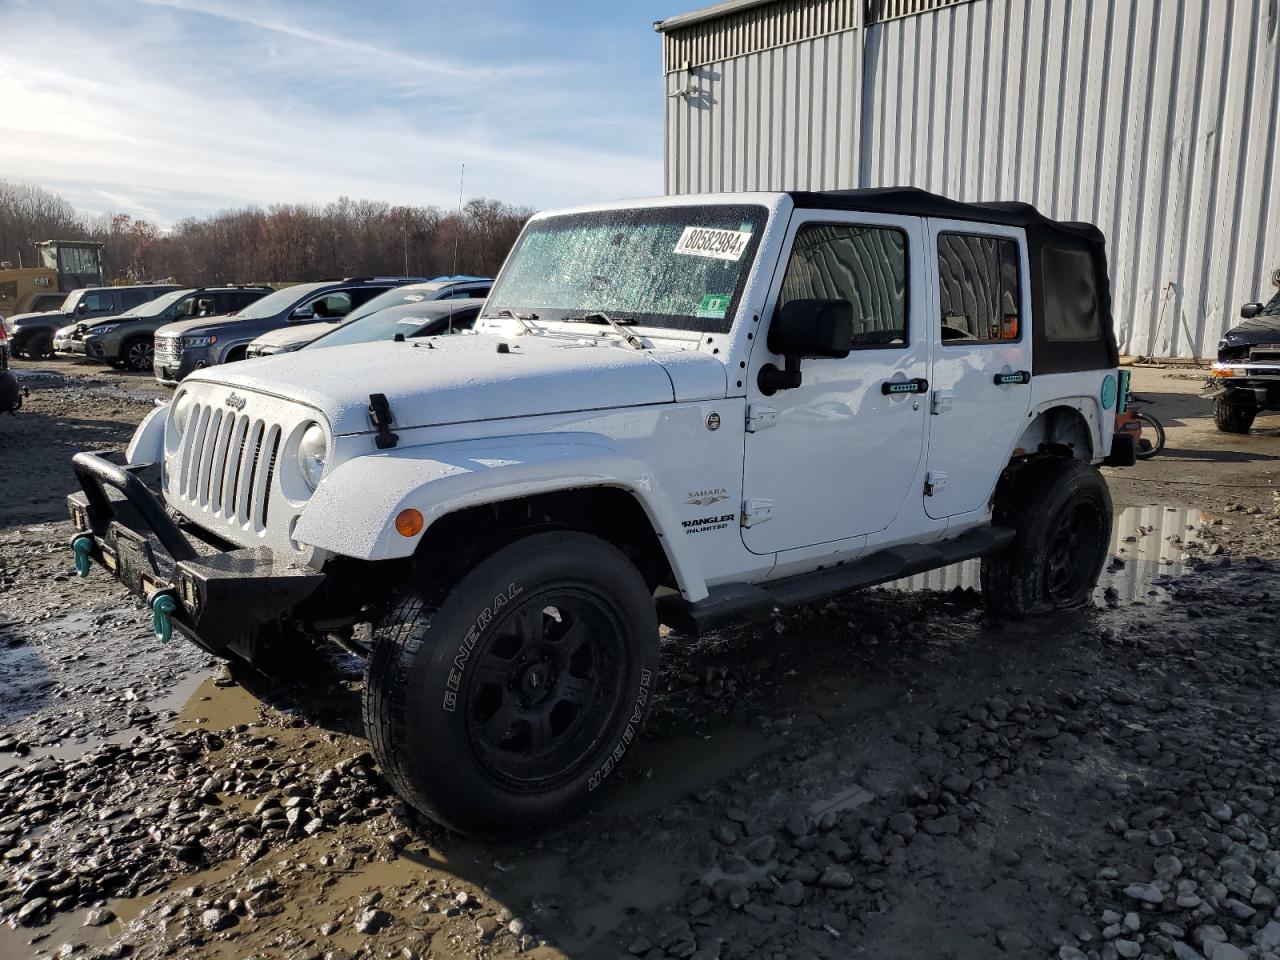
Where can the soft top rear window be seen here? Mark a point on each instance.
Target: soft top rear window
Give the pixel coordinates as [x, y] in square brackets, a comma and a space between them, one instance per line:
[1070, 296]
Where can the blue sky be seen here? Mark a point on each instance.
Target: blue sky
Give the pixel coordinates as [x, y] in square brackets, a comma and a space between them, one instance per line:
[171, 108]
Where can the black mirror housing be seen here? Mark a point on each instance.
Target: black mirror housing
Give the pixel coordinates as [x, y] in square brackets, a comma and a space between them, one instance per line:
[812, 328]
[1250, 310]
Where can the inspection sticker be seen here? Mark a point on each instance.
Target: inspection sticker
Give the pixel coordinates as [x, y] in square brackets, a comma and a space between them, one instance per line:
[713, 306]
[709, 242]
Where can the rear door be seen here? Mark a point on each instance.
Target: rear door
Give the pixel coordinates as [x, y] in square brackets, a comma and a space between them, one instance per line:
[981, 377]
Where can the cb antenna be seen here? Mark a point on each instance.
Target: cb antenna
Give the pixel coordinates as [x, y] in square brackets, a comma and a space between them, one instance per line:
[457, 233]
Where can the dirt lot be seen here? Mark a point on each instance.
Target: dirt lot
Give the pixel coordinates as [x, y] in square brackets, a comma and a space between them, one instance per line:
[892, 775]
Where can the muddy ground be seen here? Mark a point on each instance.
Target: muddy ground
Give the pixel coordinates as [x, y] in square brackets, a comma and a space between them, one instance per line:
[892, 775]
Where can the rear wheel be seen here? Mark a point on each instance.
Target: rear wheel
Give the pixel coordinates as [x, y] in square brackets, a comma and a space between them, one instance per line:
[1061, 513]
[138, 354]
[1233, 416]
[500, 705]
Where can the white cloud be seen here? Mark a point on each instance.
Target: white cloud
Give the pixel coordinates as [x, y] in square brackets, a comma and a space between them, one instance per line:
[148, 117]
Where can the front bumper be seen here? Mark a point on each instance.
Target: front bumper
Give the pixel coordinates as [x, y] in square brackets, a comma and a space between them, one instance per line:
[171, 371]
[1257, 384]
[69, 347]
[223, 598]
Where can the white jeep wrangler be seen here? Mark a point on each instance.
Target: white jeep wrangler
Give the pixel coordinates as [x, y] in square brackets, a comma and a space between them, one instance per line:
[690, 410]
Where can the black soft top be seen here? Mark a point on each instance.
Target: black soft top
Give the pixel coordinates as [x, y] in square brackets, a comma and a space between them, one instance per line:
[1043, 233]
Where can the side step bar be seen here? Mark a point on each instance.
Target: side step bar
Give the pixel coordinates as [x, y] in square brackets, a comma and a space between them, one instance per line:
[733, 603]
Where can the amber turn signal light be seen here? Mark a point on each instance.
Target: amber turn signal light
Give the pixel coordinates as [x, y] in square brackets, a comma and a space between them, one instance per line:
[409, 523]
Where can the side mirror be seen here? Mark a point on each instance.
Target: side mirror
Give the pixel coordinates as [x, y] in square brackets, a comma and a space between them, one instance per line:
[806, 329]
[1250, 310]
[82, 307]
[302, 313]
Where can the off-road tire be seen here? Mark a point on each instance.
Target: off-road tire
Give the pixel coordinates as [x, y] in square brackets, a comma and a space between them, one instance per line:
[1233, 417]
[454, 667]
[138, 355]
[1061, 513]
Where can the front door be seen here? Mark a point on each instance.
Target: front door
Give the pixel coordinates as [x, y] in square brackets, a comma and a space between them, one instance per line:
[981, 377]
[835, 457]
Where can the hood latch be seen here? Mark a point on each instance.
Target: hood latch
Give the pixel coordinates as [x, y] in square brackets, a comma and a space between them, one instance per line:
[381, 418]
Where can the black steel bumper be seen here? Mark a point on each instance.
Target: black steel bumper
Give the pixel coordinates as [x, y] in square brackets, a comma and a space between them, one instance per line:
[1262, 391]
[222, 598]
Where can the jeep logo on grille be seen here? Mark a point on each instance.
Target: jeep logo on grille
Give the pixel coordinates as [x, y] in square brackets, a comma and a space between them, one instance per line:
[235, 401]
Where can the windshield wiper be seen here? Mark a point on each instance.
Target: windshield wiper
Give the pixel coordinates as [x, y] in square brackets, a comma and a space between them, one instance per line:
[616, 323]
[525, 319]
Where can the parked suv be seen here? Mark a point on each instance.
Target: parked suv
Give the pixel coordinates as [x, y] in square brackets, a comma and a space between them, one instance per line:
[294, 337]
[126, 340]
[1246, 379]
[191, 344]
[34, 332]
[692, 410]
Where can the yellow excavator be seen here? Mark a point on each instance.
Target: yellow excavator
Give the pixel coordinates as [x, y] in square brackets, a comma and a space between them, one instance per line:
[64, 265]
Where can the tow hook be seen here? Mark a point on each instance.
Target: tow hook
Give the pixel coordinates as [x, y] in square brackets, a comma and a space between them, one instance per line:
[82, 546]
[163, 606]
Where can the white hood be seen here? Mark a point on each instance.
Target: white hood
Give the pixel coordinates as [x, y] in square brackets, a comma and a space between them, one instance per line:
[469, 378]
[294, 334]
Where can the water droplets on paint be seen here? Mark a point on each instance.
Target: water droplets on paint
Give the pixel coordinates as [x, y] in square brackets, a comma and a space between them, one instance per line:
[1150, 547]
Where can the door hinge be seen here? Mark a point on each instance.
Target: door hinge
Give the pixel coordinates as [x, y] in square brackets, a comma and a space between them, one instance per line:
[756, 511]
[935, 481]
[943, 400]
[760, 417]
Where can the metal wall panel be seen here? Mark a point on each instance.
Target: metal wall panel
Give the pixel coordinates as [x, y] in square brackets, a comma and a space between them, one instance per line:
[1157, 121]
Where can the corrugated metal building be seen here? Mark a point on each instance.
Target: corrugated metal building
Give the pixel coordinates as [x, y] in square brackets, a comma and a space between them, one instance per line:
[1158, 121]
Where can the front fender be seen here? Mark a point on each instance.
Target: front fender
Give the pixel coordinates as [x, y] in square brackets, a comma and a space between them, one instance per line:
[147, 443]
[353, 510]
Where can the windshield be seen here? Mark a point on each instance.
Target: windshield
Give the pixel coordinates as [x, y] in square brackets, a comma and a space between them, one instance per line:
[395, 297]
[274, 303]
[69, 304]
[153, 308]
[678, 267]
[406, 318]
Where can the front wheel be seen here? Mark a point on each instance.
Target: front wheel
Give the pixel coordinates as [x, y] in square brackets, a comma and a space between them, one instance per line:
[138, 355]
[1233, 417]
[1061, 513]
[500, 705]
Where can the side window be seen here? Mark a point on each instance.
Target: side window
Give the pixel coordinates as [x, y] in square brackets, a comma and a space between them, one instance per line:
[336, 304]
[1070, 295]
[865, 265]
[979, 289]
[131, 298]
[95, 302]
[185, 308]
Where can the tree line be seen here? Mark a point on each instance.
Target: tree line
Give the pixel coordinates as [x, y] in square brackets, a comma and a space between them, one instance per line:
[282, 242]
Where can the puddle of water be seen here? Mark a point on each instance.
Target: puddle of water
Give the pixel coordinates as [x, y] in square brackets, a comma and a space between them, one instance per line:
[1150, 541]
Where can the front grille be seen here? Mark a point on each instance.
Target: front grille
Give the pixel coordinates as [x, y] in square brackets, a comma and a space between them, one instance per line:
[168, 350]
[227, 464]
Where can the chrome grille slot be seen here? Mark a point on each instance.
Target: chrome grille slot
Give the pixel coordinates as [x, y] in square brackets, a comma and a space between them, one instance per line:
[168, 349]
[228, 464]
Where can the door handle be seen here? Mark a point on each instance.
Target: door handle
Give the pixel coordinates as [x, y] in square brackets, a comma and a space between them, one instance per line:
[1020, 377]
[892, 388]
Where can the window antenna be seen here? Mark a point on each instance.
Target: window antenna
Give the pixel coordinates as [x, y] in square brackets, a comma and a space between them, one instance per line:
[462, 175]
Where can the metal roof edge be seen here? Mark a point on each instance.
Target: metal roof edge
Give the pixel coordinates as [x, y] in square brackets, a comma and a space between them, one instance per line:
[706, 13]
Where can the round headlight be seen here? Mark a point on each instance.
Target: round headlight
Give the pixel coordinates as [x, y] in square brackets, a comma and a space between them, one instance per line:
[311, 454]
[181, 411]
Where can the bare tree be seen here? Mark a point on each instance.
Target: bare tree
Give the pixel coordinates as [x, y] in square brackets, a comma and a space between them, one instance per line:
[285, 242]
